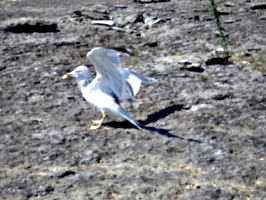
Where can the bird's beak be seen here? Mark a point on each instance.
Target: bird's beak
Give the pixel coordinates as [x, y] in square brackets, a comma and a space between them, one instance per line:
[67, 76]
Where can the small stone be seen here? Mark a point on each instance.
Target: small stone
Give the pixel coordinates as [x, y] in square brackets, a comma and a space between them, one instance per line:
[185, 61]
[120, 6]
[218, 34]
[100, 9]
[71, 98]
[193, 67]
[94, 14]
[134, 18]
[223, 11]
[263, 17]
[65, 173]
[217, 60]
[44, 190]
[256, 49]
[221, 96]
[229, 4]
[229, 21]
[258, 5]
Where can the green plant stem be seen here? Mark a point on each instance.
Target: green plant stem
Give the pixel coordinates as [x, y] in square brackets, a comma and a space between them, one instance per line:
[216, 14]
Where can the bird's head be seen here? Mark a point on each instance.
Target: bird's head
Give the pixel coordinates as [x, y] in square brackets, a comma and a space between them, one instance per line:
[80, 73]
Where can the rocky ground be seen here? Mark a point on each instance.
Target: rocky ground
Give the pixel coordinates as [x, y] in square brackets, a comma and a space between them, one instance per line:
[205, 119]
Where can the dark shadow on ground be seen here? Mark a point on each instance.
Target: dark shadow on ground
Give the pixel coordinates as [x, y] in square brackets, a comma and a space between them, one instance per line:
[153, 118]
[162, 114]
[166, 133]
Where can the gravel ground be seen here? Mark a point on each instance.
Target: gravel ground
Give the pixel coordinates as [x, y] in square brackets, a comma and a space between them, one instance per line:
[205, 120]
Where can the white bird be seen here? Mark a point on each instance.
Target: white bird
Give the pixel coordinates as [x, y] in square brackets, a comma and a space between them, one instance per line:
[111, 84]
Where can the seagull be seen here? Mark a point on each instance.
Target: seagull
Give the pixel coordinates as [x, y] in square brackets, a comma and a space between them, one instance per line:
[111, 84]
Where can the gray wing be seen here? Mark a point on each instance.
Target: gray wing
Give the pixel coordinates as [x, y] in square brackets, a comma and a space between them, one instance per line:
[107, 63]
[133, 83]
[123, 82]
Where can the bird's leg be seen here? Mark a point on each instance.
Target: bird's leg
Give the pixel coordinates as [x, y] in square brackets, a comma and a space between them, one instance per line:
[98, 122]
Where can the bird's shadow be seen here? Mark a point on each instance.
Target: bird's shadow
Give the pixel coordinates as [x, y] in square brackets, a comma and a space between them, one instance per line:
[153, 118]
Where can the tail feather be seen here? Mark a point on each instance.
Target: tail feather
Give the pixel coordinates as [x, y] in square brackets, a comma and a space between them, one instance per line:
[123, 113]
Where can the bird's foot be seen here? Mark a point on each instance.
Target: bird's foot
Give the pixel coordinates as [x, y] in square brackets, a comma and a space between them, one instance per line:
[93, 127]
[96, 121]
[97, 127]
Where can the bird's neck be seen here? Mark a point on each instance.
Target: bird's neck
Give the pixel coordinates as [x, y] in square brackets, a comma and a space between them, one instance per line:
[83, 83]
